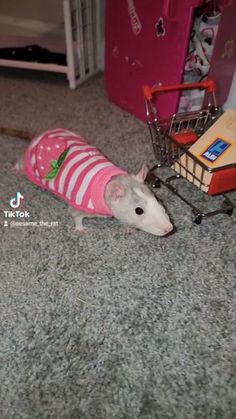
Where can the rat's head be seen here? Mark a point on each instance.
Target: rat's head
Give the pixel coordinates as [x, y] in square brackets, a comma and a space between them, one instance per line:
[133, 203]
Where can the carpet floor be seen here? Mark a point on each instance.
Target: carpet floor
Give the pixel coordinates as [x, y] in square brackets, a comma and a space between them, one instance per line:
[110, 325]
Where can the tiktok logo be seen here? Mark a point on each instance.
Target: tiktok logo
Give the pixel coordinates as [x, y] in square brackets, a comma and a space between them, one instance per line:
[16, 201]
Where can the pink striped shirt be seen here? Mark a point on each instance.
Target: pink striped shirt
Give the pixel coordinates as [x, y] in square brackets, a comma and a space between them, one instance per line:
[80, 179]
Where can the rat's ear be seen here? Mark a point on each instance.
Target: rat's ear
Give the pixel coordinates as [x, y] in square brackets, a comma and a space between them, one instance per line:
[116, 191]
[141, 175]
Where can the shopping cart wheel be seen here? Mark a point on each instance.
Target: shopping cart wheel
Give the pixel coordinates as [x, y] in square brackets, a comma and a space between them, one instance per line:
[156, 184]
[226, 208]
[229, 211]
[197, 218]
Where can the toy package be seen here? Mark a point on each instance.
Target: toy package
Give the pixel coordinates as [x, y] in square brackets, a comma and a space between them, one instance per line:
[214, 157]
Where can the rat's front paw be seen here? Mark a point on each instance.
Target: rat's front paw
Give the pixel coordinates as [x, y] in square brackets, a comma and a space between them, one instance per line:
[16, 168]
[80, 231]
[130, 230]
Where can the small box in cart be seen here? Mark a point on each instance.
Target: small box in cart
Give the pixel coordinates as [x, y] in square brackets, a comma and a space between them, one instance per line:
[216, 148]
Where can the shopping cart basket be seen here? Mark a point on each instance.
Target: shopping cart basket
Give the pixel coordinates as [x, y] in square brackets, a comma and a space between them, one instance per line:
[171, 140]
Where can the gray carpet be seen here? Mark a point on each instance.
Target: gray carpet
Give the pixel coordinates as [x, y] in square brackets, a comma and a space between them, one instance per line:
[110, 325]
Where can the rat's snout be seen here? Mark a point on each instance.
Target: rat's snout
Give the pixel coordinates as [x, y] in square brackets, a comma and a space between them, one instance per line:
[159, 229]
[168, 229]
[157, 220]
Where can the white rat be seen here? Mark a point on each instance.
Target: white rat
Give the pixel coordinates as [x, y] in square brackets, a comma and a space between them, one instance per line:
[133, 204]
[66, 165]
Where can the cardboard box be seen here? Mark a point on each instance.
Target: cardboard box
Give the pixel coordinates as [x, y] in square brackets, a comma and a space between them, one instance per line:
[215, 149]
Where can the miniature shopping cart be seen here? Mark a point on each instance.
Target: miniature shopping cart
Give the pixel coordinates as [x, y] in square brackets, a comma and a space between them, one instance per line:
[172, 139]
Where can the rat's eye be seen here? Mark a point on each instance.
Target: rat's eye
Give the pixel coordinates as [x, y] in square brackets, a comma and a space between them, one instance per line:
[139, 211]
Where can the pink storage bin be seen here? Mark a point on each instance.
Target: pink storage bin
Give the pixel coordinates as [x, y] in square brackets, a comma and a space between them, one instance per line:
[146, 43]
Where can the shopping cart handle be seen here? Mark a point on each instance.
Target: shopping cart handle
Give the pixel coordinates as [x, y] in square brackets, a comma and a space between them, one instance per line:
[208, 85]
